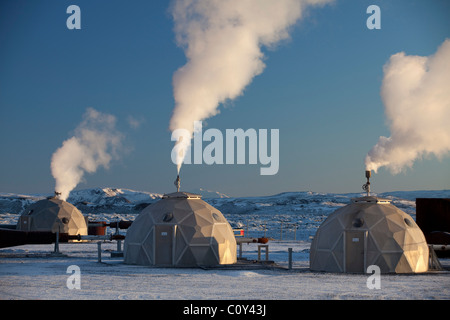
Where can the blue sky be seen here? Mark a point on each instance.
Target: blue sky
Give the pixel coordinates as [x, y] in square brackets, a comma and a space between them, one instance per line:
[321, 89]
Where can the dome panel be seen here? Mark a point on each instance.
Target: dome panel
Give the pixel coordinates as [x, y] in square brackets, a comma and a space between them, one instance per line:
[220, 233]
[196, 205]
[198, 234]
[188, 232]
[338, 250]
[180, 243]
[202, 219]
[388, 261]
[181, 215]
[53, 215]
[147, 243]
[131, 252]
[203, 255]
[390, 241]
[189, 220]
[403, 265]
[331, 264]
[205, 214]
[400, 238]
[331, 234]
[202, 238]
[143, 257]
[227, 254]
[186, 258]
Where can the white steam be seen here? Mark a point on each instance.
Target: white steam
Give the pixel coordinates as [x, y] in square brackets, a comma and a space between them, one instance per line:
[222, 40]
[416, 96]
[94, 144]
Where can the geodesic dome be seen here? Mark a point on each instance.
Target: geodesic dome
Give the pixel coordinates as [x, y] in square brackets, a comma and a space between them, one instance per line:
[369, 231]
[53, 215]
[180, 230]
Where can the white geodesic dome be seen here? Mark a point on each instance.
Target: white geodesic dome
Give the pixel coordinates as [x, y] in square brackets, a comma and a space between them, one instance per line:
[369, 231]
[53, 215]
[180, 230]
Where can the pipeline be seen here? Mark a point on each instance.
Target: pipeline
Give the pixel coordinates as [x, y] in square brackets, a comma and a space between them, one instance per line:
[109, 237]
[252, 240]
[441, 247]
[115, 224]
[13, 238]
[120, 224]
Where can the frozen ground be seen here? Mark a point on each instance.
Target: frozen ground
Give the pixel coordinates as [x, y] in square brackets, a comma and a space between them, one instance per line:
[27, 272]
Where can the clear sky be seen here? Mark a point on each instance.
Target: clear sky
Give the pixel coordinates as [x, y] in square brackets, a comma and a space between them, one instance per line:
[321, 89]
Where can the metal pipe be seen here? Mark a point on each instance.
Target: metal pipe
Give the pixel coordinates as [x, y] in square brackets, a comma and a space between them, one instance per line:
[92, 237]
[440, 247]
[290, 258]
[366, 186]
[251, 240]
[12, 238]
[9, 226]
[99, 248]
[177, 183]
[57, 243]
[120, 224]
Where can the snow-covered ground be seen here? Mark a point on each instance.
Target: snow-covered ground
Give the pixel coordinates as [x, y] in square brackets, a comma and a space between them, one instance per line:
[27, 272]
[289, 219]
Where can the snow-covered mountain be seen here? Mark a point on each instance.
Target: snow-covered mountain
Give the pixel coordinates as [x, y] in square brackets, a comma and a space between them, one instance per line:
[112, 200]
[95, 200]
[208, 194]
[299, 214]
[119, 200]
[302, 210]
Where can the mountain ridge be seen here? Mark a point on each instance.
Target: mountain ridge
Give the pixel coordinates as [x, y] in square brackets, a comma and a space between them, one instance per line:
[122, 200]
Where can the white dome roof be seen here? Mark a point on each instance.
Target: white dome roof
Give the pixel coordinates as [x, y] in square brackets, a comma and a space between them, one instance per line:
[369, 231]
[180, 230]
[53, 215]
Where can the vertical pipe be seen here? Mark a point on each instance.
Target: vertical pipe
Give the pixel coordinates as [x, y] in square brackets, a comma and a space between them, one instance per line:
[290, 258]
[56, 250]
[99, 248]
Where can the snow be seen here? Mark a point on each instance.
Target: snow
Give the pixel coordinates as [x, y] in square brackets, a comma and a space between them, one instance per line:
[27, 272]
[289, 219]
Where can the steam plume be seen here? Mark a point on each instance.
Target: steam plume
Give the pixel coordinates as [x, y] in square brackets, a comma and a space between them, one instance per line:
[222, 40]
[416, 96]
[94, 144]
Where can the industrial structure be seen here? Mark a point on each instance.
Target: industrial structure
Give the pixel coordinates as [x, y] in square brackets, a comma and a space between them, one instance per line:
[369, 231]
[180, 230]
[54, 215]
[433, 218]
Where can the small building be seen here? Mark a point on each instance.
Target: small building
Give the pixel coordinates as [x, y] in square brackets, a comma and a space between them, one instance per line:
[369, 231]
[180, 230]
[53, 215]
[433, 218]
